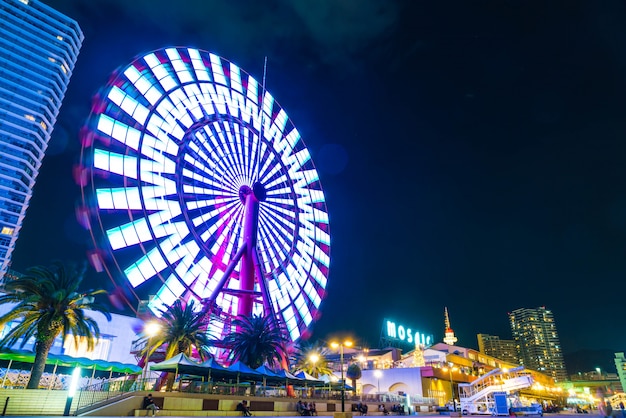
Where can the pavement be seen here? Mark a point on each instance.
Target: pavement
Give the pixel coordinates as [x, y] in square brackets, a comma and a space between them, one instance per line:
[421, 414]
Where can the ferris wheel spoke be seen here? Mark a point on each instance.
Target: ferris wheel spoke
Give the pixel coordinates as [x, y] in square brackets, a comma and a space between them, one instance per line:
[215, 171]
[280, 192]
[217, 190]
[223, 144]
[206, 217]
[232, 216]
[241, 150]
[284, 216]
[203, 164]
[232, 139]
[273, 236]
[248, 153]
[259, 153]
[265, 174]
[278, 180]
[276, 229]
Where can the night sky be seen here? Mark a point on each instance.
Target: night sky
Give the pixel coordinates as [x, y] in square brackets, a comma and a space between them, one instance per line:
[473, 154]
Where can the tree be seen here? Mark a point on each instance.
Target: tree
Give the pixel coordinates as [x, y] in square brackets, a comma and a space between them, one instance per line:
[49, 303]
[258, 340]
[182, 329]
[353, 373]
[312, 358]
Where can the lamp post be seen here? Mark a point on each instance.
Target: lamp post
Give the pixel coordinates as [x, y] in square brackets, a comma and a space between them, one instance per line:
[150, 329]
[452, 386]
[71, 391]
[378, 374]
[336, 345]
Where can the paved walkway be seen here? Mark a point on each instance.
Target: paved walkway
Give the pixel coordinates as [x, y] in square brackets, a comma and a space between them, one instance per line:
[422, 414]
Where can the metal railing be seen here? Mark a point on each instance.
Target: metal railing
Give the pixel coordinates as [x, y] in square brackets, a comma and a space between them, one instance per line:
[105, 392]
[108, 390]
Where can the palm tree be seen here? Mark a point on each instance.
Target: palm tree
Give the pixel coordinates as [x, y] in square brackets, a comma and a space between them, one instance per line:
[258, 340]
[354, 373]
[312, 358]
[49, 303]
[182, 329]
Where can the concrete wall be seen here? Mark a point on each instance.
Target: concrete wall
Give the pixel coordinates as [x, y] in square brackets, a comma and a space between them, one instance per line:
[407, 379]
[33, 401]
[191, 404]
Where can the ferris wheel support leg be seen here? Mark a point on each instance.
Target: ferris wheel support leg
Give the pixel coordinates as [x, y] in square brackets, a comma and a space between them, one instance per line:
[247, 272]
[267, 305]
[229, 270]
[265, 293]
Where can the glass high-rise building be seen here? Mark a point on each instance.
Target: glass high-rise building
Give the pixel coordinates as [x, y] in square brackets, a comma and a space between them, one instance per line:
[537, 341]
[38, 50]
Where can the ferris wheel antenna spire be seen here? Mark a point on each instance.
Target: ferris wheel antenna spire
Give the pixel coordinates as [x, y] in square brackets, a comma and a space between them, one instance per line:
[258, 150]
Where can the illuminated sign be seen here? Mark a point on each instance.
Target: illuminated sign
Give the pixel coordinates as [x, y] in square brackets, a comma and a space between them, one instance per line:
[404, 334]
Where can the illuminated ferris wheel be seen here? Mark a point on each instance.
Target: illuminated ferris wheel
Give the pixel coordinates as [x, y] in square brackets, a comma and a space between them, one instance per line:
[197, 186]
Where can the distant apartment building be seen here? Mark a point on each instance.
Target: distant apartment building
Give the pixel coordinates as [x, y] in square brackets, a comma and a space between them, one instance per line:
[537, 341]
[620, 365]
[493, 346]
[38, 50]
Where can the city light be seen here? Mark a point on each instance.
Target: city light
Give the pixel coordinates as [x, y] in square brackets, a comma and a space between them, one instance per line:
[150, 329]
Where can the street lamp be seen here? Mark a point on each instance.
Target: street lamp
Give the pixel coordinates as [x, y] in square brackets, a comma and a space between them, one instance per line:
[450, 368]
[150, 329]
[336, 345]
[378, 374]
[72, 390]
[314, 358]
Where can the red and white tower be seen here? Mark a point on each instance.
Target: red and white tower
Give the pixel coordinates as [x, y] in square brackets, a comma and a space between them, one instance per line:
[449, 337]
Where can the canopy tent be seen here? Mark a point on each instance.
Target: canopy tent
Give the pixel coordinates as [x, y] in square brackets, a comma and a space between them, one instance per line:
[308, 379]
[334, 382]
[288, 377]
[215, 369]
[244, 372]
[268, 374]
[62, 360]
[182, 364]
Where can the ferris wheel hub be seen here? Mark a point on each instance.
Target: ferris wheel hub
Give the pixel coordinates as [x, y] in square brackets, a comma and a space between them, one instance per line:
[257, 189]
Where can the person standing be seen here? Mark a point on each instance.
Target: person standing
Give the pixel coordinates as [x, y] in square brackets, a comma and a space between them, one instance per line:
[605, 409]
[621, 407]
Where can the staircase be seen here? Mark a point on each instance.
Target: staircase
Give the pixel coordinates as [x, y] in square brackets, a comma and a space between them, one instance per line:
[477, 397]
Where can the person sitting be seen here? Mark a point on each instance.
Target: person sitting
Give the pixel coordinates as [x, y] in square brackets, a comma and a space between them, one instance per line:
[244, 408]
[302, 408]
[149, 405]
[312, 409]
